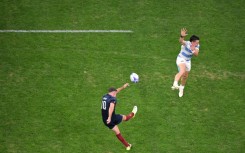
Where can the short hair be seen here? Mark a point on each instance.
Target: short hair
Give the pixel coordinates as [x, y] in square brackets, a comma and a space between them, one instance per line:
[112, 89]
[193, 38]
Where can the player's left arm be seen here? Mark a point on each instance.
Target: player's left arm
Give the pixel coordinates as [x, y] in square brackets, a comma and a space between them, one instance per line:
[123, 87]
[111, 109]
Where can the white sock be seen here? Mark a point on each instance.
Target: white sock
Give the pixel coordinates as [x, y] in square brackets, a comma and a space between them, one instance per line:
[175, 83]
[182, 86]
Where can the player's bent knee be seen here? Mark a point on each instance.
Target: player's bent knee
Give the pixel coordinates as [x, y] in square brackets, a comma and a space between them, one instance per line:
[185, 76]
[124, 117]
[116, 130]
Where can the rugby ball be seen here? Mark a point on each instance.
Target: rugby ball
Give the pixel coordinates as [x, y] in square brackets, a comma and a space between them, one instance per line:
[134, 77]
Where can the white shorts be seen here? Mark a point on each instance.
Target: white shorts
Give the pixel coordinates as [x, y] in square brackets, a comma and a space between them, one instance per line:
[187, 63]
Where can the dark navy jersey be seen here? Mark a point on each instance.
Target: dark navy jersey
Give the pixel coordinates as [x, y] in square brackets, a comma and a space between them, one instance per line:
[105, 104]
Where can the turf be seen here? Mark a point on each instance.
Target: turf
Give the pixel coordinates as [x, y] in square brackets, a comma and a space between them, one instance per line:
[51, 84]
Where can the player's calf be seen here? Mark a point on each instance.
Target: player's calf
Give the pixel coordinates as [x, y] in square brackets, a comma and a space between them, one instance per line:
[132, 114]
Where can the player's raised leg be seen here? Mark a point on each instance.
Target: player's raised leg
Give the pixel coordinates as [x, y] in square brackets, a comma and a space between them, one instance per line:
[130, 115]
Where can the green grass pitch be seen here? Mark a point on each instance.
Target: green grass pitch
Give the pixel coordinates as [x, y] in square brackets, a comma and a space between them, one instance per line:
[51, 84]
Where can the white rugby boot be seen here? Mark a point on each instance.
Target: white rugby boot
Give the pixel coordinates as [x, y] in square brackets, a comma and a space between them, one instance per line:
[181, 91]
[175, 85]
[135, 109]
[128, 147]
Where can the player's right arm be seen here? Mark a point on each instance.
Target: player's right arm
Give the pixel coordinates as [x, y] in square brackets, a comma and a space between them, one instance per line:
[111, 109]
[183, 33]
[123, 87]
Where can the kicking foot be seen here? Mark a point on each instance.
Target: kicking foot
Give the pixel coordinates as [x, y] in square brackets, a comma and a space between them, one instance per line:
[135, 109]
[128, 147]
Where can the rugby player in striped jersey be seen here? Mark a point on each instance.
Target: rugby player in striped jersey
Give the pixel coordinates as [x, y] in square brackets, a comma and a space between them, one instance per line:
[188, 50]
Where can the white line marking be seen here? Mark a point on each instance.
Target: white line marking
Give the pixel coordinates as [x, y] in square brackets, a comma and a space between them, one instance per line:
[66, 31]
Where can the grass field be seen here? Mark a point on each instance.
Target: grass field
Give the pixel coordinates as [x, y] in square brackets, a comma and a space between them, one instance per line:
[51, 84]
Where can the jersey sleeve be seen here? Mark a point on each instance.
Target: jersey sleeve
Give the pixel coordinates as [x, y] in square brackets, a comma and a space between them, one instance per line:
[188, 44]
[185, 43]
[113, 100]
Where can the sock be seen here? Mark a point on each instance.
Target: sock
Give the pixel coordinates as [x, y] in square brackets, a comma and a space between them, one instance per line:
[181, 86]
[175, 83]
[119, 136]
[129, 116]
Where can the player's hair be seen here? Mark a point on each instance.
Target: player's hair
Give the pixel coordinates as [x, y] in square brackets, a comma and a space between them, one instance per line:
[112, 89]
[193, 38]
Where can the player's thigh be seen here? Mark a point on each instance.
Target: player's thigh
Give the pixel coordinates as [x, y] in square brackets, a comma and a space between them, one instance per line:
[188, 66]
[117, 119]
[116, 129]
[181, 64]
[182, 68]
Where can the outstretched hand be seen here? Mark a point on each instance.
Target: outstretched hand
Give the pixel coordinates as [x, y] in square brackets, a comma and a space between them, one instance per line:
[183, 32]
[125, 85]
[122, 87]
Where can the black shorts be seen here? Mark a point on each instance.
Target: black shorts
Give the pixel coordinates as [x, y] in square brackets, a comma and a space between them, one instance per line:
[115, 120]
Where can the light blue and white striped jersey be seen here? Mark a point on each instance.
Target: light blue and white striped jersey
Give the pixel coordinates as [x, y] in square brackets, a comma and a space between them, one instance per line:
[186, 52]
